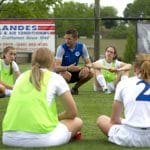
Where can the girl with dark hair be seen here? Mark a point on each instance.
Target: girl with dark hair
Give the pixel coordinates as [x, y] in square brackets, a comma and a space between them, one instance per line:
[9, 70]
[109, 71]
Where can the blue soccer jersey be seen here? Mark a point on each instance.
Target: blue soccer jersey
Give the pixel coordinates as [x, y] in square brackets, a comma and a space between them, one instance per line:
[72, 57]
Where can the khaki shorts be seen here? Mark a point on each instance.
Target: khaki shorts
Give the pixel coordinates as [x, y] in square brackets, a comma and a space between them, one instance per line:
[129, 136]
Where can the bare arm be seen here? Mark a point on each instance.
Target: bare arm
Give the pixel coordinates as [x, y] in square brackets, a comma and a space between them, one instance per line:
[87, 61]
[58, 60]
[6, 85]
[70, 111]
[124, 67]
[97, 65]
[17, 73]
[59, 68]
[116, 112]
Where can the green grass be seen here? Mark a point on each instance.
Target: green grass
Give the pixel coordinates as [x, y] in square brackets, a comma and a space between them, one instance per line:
[90, 105]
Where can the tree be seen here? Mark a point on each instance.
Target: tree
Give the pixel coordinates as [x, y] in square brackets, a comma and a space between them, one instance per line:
[1, 2]
[130, 50]
[118, 32]
[138, 8]
[108, 12]
[74, 10]
[29, 9]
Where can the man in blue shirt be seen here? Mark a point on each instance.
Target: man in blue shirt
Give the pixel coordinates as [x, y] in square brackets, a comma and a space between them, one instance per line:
[67, 59]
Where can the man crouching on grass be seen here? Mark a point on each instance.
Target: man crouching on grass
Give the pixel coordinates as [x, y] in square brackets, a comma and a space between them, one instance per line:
[67, 59]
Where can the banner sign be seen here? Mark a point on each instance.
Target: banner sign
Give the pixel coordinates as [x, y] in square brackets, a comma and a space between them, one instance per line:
[143, 40]
[27, 35]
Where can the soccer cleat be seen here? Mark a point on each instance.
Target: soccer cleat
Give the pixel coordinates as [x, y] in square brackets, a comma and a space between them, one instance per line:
[74, 91]
[78, 136]
[107, 91]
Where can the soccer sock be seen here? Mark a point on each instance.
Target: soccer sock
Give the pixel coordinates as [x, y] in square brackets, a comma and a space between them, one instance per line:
[124, 77]
[8, 92]
[101, 81]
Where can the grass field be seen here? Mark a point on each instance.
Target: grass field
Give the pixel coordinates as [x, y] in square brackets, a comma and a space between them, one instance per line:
[90, 105]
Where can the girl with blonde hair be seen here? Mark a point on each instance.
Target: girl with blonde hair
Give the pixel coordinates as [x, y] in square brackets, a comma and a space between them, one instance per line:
[31, 119]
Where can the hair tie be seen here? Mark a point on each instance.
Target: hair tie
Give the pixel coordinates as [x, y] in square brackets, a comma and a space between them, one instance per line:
[37, 65]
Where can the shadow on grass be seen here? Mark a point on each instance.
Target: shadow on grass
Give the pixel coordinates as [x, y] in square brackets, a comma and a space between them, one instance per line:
[85, 144]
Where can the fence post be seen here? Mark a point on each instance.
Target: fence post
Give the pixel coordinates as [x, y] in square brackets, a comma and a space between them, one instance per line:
[97, 30]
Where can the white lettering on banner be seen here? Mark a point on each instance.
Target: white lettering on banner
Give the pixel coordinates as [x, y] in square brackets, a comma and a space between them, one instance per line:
[27, 35]
[18, 27]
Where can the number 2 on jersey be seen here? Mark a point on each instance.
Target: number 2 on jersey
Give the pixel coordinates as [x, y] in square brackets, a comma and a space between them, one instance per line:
[145, 94]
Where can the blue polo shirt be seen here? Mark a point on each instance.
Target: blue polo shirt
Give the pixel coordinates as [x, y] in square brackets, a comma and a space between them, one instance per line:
[72, 57]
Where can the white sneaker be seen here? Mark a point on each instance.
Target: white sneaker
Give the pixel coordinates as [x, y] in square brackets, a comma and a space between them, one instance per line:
[8, 92]
[107, 91]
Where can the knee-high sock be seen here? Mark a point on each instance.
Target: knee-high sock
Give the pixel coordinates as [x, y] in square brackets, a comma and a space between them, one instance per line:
[101, 81]
[8, 92]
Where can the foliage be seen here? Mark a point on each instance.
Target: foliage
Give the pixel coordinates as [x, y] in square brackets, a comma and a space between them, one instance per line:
[139, 8]
[74, 10]
[118, 32]
[73, 15]
[78, 10]
[130, 50]
[68, 14]
[28, 9]
[1, 2]
[108, 12]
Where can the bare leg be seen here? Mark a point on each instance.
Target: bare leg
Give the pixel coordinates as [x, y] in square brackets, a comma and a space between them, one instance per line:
[83, 78]
[66, 75]
[74, 125]
[103, 122]
[120, 76]
[2, 89]
[82, 81]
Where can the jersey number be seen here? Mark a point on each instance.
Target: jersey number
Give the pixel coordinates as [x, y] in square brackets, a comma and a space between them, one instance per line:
[142, 96]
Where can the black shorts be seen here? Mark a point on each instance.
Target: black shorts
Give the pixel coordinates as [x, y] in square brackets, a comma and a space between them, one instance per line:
[74, 77]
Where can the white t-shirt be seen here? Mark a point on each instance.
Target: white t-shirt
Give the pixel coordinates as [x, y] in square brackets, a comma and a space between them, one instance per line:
[56, 86]
[134, 93]
[109, 65]
[14, 66]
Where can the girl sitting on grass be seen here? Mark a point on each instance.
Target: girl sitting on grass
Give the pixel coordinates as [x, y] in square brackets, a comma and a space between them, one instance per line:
[9, 70]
